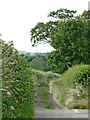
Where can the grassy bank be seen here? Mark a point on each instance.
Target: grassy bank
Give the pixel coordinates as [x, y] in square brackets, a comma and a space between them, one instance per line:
[71, 90]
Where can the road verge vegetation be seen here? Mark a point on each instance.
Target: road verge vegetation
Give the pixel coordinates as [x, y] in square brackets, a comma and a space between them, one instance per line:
[43, 78]
[71, 90]
[17, 84]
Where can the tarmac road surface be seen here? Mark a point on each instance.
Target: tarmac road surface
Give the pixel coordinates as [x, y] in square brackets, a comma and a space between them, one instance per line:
[58, 111]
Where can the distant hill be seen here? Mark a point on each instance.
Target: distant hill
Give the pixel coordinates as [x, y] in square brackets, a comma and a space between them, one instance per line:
[26, 53]
[22, 52]
[32, 53]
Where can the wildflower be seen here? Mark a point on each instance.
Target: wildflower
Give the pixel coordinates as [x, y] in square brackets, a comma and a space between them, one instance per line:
[8, 93]
[12, 108]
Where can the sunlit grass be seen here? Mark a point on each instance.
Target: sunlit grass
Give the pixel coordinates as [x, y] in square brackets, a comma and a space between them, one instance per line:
[46, 101]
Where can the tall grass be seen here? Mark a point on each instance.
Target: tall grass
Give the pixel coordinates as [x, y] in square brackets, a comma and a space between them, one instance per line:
[72, 90]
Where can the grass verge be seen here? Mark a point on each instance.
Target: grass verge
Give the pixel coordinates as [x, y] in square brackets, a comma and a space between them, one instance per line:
[45, 98]
[72, 90]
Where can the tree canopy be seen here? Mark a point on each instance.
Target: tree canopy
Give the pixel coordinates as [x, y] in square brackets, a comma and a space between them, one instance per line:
[68, 35]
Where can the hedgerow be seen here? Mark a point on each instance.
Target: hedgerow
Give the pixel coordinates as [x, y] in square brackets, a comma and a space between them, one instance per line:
[78, 74]
[72, 90]
[41, 77]
[17, 84]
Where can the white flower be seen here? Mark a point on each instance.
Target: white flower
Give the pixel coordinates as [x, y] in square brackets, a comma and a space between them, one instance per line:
[12, 108]
[8, 93]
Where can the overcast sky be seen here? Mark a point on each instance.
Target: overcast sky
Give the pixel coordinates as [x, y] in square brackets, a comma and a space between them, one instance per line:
[18, 17]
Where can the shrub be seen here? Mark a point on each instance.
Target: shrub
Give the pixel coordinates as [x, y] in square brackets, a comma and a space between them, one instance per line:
[51, 75]
[72, 90]
[17, 84]
[41, 77]
[78, 74]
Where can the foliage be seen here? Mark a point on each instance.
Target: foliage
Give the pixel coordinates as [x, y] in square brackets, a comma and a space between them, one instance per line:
[37, 61]
[37, 64]
[41, 32]
[43, 78]
[69, 37]
[78, 74]
[72, 36]
[71, 90]
[29, 58]
[17, 84]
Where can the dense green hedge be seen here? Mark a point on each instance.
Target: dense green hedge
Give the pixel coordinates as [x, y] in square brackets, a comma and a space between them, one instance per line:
[72, 90]
[41, 77]
[17, 84]
[78, 74]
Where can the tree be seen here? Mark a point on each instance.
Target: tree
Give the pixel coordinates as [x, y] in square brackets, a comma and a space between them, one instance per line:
[37, 64]
[68, 36]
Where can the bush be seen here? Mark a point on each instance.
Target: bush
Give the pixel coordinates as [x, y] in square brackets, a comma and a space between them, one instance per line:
[51, 75]
[41, 77]
[78, 74]
[72, 90]
[17, 84]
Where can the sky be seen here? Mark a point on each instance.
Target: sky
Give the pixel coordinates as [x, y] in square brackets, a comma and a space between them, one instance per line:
[18, 17]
